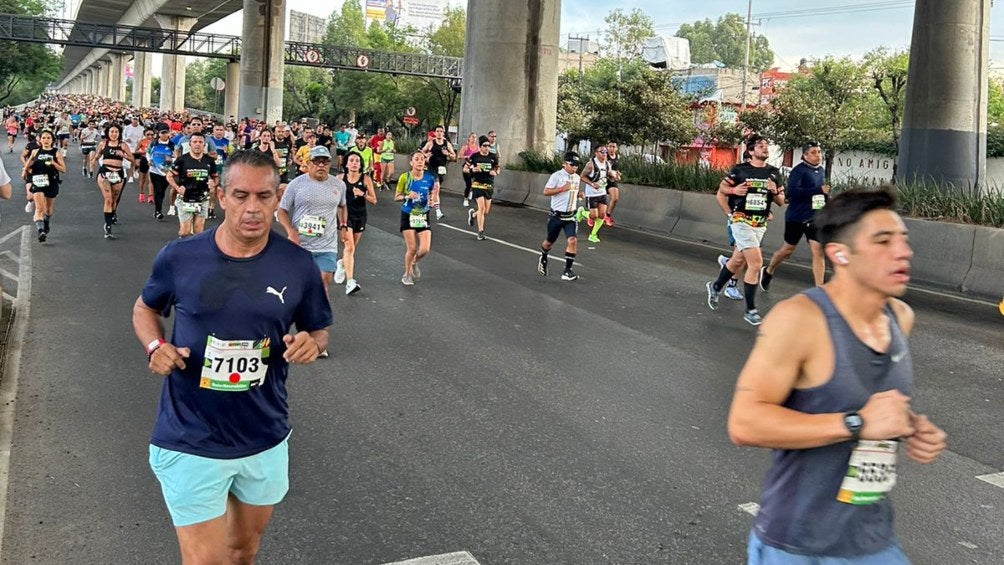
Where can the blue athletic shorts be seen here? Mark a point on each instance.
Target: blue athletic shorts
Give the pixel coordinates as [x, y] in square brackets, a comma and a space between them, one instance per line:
[196, 488]
[759, 553]
[327, 261]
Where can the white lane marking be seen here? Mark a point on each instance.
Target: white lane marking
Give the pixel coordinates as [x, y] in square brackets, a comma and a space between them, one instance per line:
[750, 508]
[455, 558]
[968, 545]
[996, 479]
[513, 245]
[8, 386]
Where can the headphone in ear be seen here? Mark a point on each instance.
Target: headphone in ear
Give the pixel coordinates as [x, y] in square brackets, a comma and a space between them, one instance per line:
[841, 258]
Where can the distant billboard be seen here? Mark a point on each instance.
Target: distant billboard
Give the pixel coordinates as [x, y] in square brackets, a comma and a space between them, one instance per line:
[420, 14]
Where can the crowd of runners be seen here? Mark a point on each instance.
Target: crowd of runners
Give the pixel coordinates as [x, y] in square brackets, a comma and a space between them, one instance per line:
[826, 386]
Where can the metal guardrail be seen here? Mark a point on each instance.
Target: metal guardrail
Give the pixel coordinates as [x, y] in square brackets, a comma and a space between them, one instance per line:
[199, 44]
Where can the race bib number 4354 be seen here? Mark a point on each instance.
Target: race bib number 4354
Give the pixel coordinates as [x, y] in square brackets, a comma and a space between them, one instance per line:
[871, 472]
[234, 366]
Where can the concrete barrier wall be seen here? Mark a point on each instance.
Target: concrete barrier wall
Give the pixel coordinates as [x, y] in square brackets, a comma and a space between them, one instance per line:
[955, 257]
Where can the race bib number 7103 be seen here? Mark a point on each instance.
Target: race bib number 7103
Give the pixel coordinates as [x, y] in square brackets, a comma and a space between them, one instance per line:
[234, 366]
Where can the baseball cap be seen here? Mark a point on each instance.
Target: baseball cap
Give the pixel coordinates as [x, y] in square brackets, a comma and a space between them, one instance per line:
[809, 145]
[320, 152]
[573, 158]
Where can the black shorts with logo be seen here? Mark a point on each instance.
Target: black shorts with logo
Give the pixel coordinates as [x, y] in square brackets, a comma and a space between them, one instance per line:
[595, 201]
[793, 232]
[406, 222]
[358, 223]
[50, 191]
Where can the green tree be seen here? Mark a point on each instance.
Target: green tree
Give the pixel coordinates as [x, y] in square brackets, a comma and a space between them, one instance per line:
[725, 41]
[626, 33]
[995, 103]
[826, 105]
[25, 68]
[888, 72]
[199, 93]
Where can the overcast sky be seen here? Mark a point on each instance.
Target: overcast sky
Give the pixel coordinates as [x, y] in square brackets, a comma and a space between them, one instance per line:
[794, 29]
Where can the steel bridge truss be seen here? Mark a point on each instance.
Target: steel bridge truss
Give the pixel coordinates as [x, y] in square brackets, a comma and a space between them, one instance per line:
[197, 44]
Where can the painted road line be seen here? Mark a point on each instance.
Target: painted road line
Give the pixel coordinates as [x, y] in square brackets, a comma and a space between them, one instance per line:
[513, 245]
[750, 508]
[996, 479]
[455, 558]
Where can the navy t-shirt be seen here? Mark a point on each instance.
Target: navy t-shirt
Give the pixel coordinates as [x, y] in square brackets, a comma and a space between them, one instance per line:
[804, 182]
[257, 298]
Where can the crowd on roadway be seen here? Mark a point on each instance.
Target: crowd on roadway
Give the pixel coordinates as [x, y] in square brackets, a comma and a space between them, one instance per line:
[826, 385]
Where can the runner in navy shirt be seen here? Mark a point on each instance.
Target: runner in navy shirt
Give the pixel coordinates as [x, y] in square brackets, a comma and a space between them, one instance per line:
[219, 445]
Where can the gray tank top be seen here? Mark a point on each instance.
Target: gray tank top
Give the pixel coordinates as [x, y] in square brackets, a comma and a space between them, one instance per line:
[799, 511]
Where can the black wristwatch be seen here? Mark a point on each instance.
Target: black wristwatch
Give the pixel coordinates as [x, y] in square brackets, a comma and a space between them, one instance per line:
[853, 422]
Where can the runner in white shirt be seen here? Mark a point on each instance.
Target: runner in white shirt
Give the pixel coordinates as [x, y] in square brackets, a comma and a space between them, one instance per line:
[563, 188]
[132, 134]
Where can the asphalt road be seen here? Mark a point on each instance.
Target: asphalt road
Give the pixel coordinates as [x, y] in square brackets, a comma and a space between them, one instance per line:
[523, 419]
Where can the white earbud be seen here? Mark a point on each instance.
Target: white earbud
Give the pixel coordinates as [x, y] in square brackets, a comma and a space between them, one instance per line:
[841, 258]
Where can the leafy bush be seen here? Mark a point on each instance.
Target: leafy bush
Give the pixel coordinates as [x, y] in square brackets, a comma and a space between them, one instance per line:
[966, 205]
[995, 142]
[407, 145]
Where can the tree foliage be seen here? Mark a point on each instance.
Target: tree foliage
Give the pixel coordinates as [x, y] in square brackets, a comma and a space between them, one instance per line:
[725, 41]
[25, 68]
[199, 94]
[887, 72]
[626, 33]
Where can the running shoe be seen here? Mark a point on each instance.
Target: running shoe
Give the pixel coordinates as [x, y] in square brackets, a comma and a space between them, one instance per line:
[712, 295]
[407, 280]
[439, 214]
[29, 208]
[323, 354]
[41, 236]
[732, 291]
[481, 236]
[467, 203]
[158, 215]
[753, 317]
[142, 198]
[339, 272]
[416, 272]
[115, 218]
[542, 266]
[470, 216]
[569, 275]
[83, 173]
[722, 260]
[212, 214]
[590, 221]
[45, 225]
[581, 214]
[593, 239]
[170, 210]
[607, 220]
[351, 287]
[765, 279]
[108, 231]
[130, 180]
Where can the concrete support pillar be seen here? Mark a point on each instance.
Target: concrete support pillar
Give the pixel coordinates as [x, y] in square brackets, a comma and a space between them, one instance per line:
[172, 74]
[116, 86]
[231, 96]
[262, 55]
[521, 41]
[141, 73]
[945, 118]
[89, 87]
[101, 85]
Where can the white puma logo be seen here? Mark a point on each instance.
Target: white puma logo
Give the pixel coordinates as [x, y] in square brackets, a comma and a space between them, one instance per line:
[271, 290]
[897, 357]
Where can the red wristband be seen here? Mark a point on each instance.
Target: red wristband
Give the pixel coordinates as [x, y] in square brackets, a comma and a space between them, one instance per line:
[153, 345]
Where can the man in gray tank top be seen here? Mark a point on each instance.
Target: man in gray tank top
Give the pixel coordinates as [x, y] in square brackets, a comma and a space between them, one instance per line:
[827, 387]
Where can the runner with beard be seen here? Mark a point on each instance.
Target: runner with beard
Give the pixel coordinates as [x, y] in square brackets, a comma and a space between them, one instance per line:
[751, 187]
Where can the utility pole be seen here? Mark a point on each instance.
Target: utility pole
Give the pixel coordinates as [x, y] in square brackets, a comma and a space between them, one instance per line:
[580, 40]
[746, 62]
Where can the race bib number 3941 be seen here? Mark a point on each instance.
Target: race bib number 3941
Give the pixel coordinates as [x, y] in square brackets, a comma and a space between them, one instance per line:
[871, 472]
[234, 366]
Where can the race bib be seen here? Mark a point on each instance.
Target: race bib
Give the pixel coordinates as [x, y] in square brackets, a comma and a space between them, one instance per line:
[418, 221]
[441, 170]
[113, 177]
[756, 201]
[191, 207]
[871, 472]
[311, 226]
[234, 366]
[818, 201]
[40, 181]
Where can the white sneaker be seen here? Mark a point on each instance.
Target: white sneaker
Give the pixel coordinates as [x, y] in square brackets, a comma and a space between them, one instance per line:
[439, 214]
[171, 211]
[339, 272]
[352, 287]
[467, 203]
[130, 179]
[732, 292]
[722, 260]
[30, 207]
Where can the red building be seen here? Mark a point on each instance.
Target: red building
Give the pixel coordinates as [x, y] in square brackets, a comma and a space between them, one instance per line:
[772, 81]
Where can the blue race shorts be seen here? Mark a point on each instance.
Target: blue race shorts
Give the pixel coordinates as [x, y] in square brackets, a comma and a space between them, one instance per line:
[759, 553]
[196, 488]
[327, 261]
